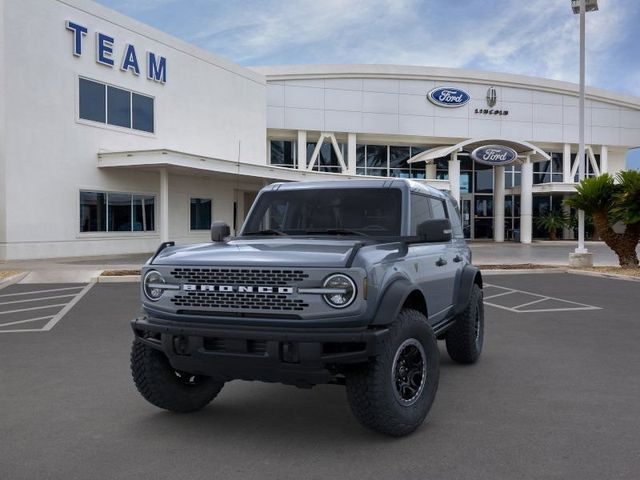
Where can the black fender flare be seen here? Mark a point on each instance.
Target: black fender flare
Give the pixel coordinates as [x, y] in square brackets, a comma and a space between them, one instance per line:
[392, 300]
[470, 275]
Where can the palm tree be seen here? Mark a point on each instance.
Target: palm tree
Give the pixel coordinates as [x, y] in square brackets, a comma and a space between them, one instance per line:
[552, 221]
[610, 202]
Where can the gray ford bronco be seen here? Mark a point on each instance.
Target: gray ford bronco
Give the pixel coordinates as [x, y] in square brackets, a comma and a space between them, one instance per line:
[343, 282]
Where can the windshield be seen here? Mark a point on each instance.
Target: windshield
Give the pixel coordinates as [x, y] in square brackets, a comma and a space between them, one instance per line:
[356, 211]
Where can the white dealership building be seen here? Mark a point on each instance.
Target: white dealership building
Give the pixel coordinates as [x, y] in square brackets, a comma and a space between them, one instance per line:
[115, 136]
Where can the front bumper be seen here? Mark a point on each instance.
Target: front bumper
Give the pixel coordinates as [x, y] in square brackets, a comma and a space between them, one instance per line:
[299, 356]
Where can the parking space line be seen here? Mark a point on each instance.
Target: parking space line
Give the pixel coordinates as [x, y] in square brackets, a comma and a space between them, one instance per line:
[540, 299]
[51, 323]
[33, 308]
[41, 291]
[531, 303]
[38, 299]
[24, 321]
[499, 294]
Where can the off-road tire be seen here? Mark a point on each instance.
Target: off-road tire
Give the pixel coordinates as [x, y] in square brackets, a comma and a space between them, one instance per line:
[465, 337]
[160, 384]
[371, 388]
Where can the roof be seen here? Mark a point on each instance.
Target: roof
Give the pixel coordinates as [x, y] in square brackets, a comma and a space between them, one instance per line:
[364, 183]
[411, 72]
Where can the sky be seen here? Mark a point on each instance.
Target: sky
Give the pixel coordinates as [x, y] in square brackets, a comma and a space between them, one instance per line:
[529, 37]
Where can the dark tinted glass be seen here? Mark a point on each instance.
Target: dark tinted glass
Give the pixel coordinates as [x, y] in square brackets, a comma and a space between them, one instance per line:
[93, 212]
[377, 156]
[119, 212]
[483, 179]
[143, 213]
[375, 212]
[92, 101]
[420, 211]
[118, 107]
[200, 214]
[483, 205]
[142, 112]
[438, 208]
[283, 153]
[360, 156]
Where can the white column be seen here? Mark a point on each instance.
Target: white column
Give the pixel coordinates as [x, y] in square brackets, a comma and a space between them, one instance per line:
[164, 205]
[431, 171]
[604, 159]
[454, 176]
[498, 204]
[302, 150]
[566, 164]
[526, 202]
[351, 153]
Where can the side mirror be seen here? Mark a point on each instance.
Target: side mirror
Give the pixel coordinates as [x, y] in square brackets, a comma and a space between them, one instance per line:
[219, 231]
[436, 230]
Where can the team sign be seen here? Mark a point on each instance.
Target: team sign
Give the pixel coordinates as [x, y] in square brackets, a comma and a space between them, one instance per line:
[156, 65]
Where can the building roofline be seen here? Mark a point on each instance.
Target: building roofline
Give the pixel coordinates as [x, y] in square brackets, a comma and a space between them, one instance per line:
[412, 72]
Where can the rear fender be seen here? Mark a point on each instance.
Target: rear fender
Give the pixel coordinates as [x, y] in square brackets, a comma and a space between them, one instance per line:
[470, 275]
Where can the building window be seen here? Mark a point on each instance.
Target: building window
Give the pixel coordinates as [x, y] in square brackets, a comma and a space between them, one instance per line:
[201, 213]
[283, 153]
[327, 160]
[549, 171]
[111, 105]
[589, 170]
[116, 212]
[389, 161]
[512, 175]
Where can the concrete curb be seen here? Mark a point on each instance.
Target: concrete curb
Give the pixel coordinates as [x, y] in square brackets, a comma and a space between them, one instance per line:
[572, 271]
[117, 279]
[614, 276]
[522, 271]
[12, 279]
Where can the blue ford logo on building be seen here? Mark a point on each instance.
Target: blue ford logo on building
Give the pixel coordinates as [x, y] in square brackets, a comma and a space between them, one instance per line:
[448, 96]
[494, 155]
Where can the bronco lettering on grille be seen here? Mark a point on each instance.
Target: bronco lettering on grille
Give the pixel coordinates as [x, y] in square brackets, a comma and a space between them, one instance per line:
[236, 288]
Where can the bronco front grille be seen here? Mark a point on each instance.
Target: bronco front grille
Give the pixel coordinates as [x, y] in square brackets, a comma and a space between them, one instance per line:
[238, 301]
[229, 276]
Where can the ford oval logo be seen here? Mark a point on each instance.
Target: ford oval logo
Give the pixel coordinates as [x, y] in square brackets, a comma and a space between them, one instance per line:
[494, 155]
[448, 97]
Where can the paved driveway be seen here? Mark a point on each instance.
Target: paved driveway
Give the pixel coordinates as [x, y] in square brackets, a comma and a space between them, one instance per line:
[555, 395]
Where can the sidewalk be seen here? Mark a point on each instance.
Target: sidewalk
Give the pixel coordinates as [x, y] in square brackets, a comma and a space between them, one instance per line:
[74, 269]
[541, 253]
[83, 269]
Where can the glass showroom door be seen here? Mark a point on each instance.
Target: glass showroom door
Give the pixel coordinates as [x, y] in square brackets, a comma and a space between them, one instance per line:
[467, 215]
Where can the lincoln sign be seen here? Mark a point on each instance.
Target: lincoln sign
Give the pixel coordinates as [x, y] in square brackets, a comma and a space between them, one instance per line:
[494, 155]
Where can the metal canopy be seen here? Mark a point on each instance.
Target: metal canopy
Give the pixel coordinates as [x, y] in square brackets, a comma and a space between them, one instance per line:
[522, 148]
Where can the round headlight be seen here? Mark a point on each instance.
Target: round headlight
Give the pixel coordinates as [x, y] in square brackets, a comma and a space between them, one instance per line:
[344, 291]
[152, 285]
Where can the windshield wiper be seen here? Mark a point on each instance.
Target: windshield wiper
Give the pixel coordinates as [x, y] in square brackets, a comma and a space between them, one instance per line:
[337, 231]
[268, 231]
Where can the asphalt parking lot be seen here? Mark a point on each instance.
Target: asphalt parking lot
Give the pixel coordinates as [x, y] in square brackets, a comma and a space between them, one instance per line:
[555, 395]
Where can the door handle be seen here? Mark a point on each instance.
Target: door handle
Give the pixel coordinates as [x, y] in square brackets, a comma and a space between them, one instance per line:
[441, 262]
[457, 258]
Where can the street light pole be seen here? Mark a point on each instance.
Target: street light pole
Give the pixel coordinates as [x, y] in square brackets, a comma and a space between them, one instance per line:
[581, 160]
[581, 257]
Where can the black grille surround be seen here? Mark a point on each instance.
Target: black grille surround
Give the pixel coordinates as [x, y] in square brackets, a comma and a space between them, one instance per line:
[231, 276]
[238, 301]
[248, 302]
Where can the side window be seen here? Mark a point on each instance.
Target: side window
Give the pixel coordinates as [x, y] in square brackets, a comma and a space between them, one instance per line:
[437, 207]
[420, 211]
[454, 216]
